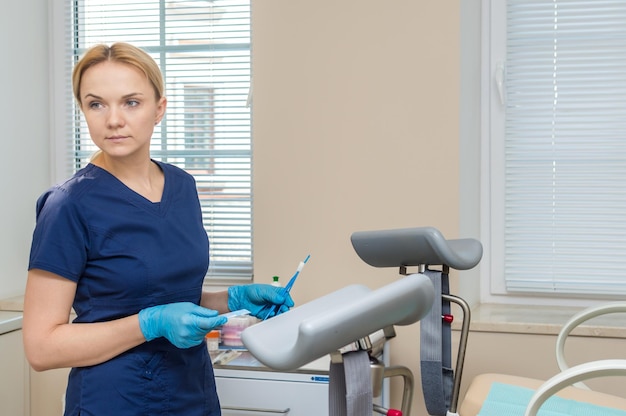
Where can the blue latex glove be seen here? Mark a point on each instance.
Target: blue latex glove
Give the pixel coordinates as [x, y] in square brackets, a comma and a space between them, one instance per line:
[258, 298]
[184, 324]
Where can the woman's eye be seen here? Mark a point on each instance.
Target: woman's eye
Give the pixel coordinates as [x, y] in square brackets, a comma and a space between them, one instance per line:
[95, 105]
[132, 103]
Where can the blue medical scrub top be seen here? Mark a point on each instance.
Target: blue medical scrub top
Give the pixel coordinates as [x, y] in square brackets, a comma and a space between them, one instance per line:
[126, 253]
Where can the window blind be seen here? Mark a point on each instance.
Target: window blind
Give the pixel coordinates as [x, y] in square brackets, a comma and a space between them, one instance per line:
[203, 50]
[565, 147]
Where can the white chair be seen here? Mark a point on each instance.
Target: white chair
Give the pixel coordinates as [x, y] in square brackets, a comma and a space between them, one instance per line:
[567, 384]
[592, 369]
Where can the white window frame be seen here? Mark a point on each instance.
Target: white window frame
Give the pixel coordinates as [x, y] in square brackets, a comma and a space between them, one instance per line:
[492, 279]
[492, 282]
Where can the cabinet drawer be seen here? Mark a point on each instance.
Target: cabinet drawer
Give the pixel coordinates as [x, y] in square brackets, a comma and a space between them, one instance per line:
[268, 397]
[241, 411]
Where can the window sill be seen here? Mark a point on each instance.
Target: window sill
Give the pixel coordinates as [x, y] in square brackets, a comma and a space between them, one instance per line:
[541, 320]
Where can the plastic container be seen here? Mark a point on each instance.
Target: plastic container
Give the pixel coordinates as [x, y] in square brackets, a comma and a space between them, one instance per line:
[231, 330]
[275, 281]
[213, 340]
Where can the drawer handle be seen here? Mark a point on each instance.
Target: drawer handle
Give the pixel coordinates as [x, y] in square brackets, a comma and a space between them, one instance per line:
[257, 410]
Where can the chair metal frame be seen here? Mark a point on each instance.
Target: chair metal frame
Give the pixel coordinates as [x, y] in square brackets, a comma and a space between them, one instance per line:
[306, 335]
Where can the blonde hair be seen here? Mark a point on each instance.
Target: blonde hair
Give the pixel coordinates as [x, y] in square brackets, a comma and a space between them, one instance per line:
[95, 155]
[121, 52]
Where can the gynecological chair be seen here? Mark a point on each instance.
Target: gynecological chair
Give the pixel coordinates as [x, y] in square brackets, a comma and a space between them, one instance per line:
[350, 323]
[497, 394]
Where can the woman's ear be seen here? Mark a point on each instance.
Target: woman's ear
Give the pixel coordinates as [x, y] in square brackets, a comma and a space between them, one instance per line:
[161, 106]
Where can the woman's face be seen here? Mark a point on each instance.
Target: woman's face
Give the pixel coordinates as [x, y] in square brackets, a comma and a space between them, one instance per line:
[120, 108]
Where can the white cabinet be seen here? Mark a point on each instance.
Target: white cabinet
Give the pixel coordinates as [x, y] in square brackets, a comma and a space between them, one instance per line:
[247, 388]
[46, 391]
[256, 393]
[13, 368]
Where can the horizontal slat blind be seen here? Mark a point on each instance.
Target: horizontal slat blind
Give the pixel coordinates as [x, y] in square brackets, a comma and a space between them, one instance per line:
[565, 147]
[203, 50]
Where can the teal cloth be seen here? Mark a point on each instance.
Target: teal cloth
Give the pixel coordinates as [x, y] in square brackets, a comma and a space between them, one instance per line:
[508, 400]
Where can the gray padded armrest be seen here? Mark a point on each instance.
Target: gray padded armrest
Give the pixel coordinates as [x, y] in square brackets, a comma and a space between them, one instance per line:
[415, 246]
[326, 324]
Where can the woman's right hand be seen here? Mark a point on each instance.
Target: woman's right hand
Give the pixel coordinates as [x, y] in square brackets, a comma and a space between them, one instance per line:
[184, 324]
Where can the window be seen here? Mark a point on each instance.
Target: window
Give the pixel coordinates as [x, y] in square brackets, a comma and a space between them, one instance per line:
[556, 197]
[203, 50]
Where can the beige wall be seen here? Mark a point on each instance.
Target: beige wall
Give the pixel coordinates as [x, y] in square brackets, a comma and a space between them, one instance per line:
[356, 127]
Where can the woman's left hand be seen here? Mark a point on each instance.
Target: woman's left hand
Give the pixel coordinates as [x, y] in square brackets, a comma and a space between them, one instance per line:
[257, 298]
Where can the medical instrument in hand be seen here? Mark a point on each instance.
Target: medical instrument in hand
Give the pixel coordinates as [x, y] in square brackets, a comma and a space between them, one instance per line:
[239, 312]
[257, 298]
[287, 288]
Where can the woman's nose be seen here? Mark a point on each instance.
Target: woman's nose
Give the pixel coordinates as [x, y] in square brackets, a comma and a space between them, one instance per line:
[115, 117]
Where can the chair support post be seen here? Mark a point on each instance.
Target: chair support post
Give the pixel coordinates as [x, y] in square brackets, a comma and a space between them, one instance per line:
[460, 360]
[407, 377]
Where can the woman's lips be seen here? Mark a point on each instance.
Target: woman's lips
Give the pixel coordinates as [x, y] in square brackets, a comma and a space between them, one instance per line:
[116, 138]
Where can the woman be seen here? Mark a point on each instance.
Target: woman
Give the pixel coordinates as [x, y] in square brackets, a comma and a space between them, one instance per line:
[122, 242]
